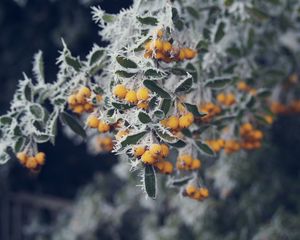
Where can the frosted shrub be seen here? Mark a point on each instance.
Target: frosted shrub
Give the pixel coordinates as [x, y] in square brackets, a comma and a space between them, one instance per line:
[180, 84]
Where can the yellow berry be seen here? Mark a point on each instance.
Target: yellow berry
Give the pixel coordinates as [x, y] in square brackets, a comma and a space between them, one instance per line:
[22, 157]
[78, 109]
[88, 107]
[167, 168]
[143, 105]
[181, 55]
[164, 150]
[31, 163]
[155, 149]
[148, 158]
[85, 91]
[148, 46]
[158, 44]
[189, 53]
[187, 159]
[159, 33]
[203, 192]
[72, 100]
[173, 122]
[186, 120]
[131, 97]
[139, 151]
[167, 47]
[190, 189]
[92, 121]
[196, 164]
[221, 98]
[103, 127]
[40, 158]
[80, 99]
[120, 91]
[142, 94]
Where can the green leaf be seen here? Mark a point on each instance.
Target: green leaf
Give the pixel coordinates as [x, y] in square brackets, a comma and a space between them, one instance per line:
[186, 132]
[155, 73]
[144, 117]
[178, 144]
[98, 90]
[218, 82]
[37, 111]
[159, 114]
[42, 138]
[28, 92]
[178, 71]
[126, 63]
[124, 74]
[204, 148]
[166, 105]
[228, 3]
[181, 181]
[108, 17]
[202, 46]
[73, 62]
[157, 89]
[220, 32]
[165, 136]
[193, 12]
[20, 144]
[150, 181]
[96, 56]
[251, 35]
[263, 93]
[121, 106]
[194, 110]
[5, 120]
[185, 86]
[132, 139]
[192, 70]
[148, 20]
[73, 124]
[257, 13]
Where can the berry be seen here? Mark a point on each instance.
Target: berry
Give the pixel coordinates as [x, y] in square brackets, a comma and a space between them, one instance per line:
[31, 163]
[103, 127]
[167, 168]
[189, 53]
[40, 158]
[143, 105]
[164, 150]
[186, 120]
[173, 122]
[167, 46]
[22, 157]
[72, 100]
[131, 97]
[190, 189]
[155, 149]
[148, 158]
[92, 121]
[142, 94]
[85, 92]
[120, 91]
[196, 164]
[139, 151]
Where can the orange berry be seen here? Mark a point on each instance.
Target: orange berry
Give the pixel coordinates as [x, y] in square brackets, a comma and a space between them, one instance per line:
[103, 127]
[143, 105]
[190, 189]
[31, 163]
[167, 168]
[142, 94]
[40, 158]
[189, 53]
[155, 149]
[173, 122]
[164, 150]
[196, 164]
[131, 97]
[22, 157]
[92, 121]
[72, 100]
[120, 91]
[78, 109]
[85, 92]
[167, 47]
[139, 151]
[148, 158]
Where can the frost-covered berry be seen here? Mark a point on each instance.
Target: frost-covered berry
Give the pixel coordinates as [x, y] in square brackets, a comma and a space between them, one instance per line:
[186, 120]
[131, 97]
[155, 149]
[148, 158]
[120, 91]
[139, 151]
[85, 92]
[103, 127]
[164, 150]
[92, 121]
[173, 122]
[22, 157]
[142, 94]
[196, 164]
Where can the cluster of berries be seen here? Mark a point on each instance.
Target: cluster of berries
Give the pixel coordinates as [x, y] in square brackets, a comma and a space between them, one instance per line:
[279, 108]
[177, 123]
[231, 146]
[32, 162]
[94, 122]
[154, 155]
[195, 193]
[244, 87]
[79, 101]
[211, 111]
[251, 137]
[139, 97]
[226, 99]
[186, 162]
[216, 145]
[163, 50]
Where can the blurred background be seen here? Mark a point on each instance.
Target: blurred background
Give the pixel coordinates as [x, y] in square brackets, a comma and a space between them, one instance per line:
[78, 196]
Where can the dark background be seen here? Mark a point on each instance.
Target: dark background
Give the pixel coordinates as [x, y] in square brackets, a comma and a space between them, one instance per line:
[40, 25]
